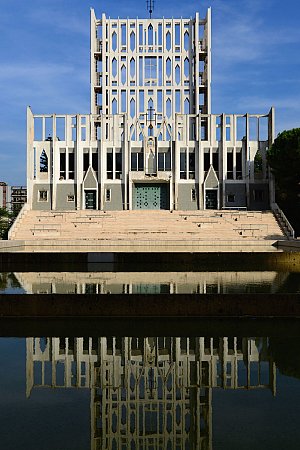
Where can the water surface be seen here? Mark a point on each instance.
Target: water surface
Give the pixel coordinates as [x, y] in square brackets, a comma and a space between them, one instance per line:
[149, 282]
[150, 393]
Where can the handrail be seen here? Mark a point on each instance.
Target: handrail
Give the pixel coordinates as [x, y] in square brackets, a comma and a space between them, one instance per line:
[284, 219]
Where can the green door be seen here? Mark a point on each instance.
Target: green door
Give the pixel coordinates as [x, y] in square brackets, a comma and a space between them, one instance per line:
[150, 196]
[90, 199]
[211, 199]
[148, 288]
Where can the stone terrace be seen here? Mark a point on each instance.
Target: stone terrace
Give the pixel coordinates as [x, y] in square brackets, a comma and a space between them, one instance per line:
[154, 228]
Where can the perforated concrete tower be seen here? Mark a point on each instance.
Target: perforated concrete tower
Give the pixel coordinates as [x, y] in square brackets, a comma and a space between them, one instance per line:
[150, 69]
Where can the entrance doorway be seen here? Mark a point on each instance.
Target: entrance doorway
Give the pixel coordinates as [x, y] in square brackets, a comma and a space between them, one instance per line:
[211, 199]
[150, 196]
[90, 199]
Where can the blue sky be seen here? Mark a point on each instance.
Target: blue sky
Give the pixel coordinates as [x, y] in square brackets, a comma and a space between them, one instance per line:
[44, 60]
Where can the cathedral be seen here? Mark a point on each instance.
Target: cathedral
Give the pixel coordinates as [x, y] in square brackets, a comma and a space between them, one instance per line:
[150, 140]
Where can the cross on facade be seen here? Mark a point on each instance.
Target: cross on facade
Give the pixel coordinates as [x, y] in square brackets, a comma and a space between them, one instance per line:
[151, 117]
[150, 7]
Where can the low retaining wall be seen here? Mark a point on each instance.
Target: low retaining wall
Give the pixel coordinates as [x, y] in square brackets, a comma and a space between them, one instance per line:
[136, 305]
[150, 326]
[126, 262]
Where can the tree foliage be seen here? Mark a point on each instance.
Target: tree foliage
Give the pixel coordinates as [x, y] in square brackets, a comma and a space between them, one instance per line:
[5, 222]
[258, 162]
[284, 160]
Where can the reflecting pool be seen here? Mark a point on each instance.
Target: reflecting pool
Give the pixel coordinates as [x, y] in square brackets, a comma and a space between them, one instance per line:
[150, 393]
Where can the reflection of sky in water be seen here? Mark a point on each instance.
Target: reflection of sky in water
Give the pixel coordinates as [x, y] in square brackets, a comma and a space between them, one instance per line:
[61, 418]
[9, 284]
[12, 290]
[149, 282]
[52, 419]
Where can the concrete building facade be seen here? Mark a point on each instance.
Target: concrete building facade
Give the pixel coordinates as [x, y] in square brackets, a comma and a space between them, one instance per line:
[5, 195]
[18, 197]
[12, 198]
[150, 140]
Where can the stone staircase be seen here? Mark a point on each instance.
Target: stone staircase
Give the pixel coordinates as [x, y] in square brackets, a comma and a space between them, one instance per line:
[208, 225]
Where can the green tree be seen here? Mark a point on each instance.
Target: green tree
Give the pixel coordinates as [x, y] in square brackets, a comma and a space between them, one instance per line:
[5, 222]
[284, 160]
[258, 163]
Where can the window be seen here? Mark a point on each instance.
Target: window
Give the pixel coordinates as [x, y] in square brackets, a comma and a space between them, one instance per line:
[230, 165]
[206, 159]
[187, 164]
[62, 164]
[109, 164]
[182, 164]
[134, 162]
[239, 172]
[86, 161]
[141, 161]
[164, 160]
[107, 195]
[215, 162]
[43, 196]
[118, 171]
[192, 166]
[71, 166]
[137, 161]
[230, 198]
[70, 198]
[95, 161]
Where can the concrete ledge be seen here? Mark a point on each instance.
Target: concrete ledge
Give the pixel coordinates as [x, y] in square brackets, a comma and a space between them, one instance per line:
[139, 246]
[12, 246]
[134, 305]
[291, 245]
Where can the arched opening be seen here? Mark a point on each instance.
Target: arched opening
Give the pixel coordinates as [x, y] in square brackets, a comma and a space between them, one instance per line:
[132, 108]
[114, 41]
[114, 106]
[114, 67]
[177, 74]
[132, 41]
[150, 35]
[43, 162]
[186, 41]
[123, 74]
[132, 67]
[168, 41]
[168, 67]
[168, 108]
[186, 67]
[186, 106]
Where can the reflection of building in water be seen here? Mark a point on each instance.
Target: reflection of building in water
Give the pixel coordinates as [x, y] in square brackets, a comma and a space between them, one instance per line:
[150, 282]
[150, 392]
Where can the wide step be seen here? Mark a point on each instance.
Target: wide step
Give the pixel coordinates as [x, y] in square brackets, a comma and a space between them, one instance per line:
[208, 225]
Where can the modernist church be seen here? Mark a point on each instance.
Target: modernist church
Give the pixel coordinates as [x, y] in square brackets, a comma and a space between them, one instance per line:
[150, 140]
